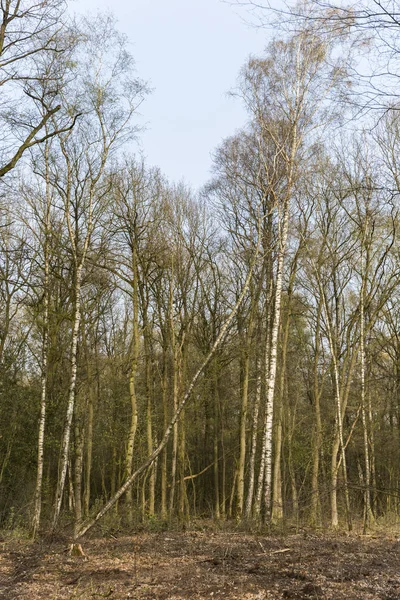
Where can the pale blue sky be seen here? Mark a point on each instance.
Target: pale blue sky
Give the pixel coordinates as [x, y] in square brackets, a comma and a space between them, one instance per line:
[190, 52]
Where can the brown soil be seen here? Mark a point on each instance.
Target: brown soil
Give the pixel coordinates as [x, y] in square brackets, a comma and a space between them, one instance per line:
[199, 565]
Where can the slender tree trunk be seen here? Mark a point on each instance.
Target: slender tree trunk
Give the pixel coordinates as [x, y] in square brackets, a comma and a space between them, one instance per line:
[132, 383]
[175, 426]
[78, 468]
[42, 424]
[149, 415]
[253, 451]
[254, 298]
[89, 454]
[183, 503]
[71, 398]
[334, 478]
[71, 494]
[291, 467]
[317, 438]
[374, 506]
[90, 418]
[181, 462]
[113, 482]
[45, 342]
[261, 473]
[341, 438]
[242, 430]
[340, 403]
[216, 437]
[277, 501]
[368, 515]
[164, 510]
[221, 416]
[270, 384]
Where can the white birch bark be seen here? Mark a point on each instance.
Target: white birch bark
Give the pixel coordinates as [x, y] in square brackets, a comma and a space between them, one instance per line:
[270, 384]
[261, 477]
[277, 502]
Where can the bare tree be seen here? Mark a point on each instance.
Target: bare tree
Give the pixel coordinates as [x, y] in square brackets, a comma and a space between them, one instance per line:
[110, 97]
[35, 42]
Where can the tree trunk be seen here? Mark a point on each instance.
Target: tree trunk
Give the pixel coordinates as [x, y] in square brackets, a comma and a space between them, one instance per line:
[43, 397]
[253, 451]
[71, 398]
[317, 438]
[90, 417]
[149, 417]
[368, 515]
[277, 501]
[132, 383]
[89, 454]
[78, 468]
[175, 426]
[261, 473]
[242, 430]
[164, 511]
[334, 479]
[271, 376]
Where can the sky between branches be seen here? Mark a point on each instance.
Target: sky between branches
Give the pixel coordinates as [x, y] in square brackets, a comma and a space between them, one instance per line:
[190, 52]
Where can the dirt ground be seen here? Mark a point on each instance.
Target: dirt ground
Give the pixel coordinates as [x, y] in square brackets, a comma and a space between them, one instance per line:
[202, 564]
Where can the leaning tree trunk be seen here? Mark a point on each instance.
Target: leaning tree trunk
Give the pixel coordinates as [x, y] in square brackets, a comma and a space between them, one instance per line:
[167, 434]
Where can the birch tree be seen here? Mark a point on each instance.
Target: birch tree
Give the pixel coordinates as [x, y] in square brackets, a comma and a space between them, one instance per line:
[110, 97]
[285, 93]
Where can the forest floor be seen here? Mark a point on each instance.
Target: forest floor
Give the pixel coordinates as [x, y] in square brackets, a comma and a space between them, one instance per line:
[204, 564]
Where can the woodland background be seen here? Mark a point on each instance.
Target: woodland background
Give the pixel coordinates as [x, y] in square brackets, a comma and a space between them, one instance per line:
[262, 311]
